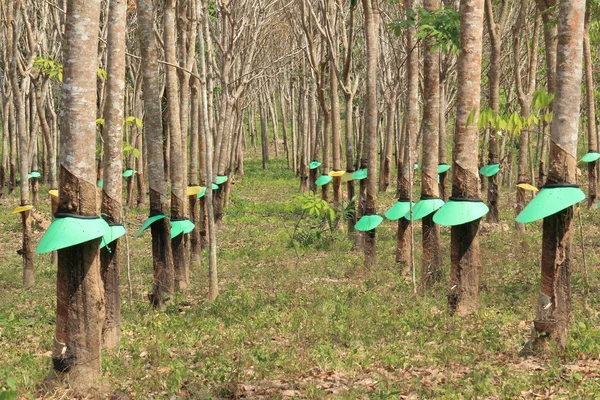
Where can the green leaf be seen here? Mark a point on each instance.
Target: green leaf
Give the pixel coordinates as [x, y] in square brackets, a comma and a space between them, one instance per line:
[100, 121]
[136, 153]
[471, 117]
[102, 73]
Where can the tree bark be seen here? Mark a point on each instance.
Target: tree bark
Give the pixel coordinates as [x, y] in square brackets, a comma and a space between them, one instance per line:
[80, 303]
[465, 266]
[495, 33]
[524, 96]
[554, 305]
[213, 282]
[430, 272]
[371, 15]
[178, 184]
[162, 255]
[591, 112]
[411, 129]
[22, 133]
[113, 182]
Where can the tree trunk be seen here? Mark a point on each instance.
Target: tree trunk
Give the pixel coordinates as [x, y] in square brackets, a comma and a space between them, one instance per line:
[591, 114]
[442, 151]
[178, 184]
[80, 303]
[113, 182]
[554, 305]
[465, 264]
[5, 135]
[19, 130]
[349, 136]
[162, 255]
[195, 242]
[336, 138]
[495, 32]
[411, 130]
[213, 282]
[548, 10]
[371, 15]
[386, 155]
[264, 138]
[430, 272]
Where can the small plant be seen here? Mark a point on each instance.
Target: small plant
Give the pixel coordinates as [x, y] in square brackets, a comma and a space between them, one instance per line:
[318, 221]
[9, 392]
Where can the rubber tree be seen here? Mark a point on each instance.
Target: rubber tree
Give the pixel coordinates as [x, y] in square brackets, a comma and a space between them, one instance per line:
[554, 302]
[178, 183]
[465, 266]
[430, 272]
[162, 256]
[591, 111]
[371, 27]
[213, 281]
[495, 29]
[76, 354]
[21, 132]
[547, 8]
[113, 183]
[411, 128]
[319, 60]
[524, 96]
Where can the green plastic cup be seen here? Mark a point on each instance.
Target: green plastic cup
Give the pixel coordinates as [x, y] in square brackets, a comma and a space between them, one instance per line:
[323, 180]
[368, 222]
[489, 170]
[550, 200]
[69, 230]
[425, 207]
[589, 157]
[460, 211]
[314, 164]
[360, 174]
[147, 224]
[443, 168]
[398, 210]
[179, 226]
[114, 232]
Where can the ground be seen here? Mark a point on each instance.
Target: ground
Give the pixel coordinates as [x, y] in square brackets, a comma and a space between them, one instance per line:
[309, 321]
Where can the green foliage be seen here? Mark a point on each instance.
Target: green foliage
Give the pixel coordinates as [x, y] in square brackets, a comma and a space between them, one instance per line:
[316, 220]
[102, 74]
[441, 26]
[542, 99]
[471, 117]
[133, 119]
[514, 123]
[54, 69]
[128, 148]
[10, 391]
[49, 67]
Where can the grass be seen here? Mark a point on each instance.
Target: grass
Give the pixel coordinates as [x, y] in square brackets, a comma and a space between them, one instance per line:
[311, 322]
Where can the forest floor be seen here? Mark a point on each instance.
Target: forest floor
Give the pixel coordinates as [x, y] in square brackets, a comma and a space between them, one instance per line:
[309, 321]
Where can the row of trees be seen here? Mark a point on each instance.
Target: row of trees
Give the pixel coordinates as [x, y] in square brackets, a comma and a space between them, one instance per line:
[175, 89]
